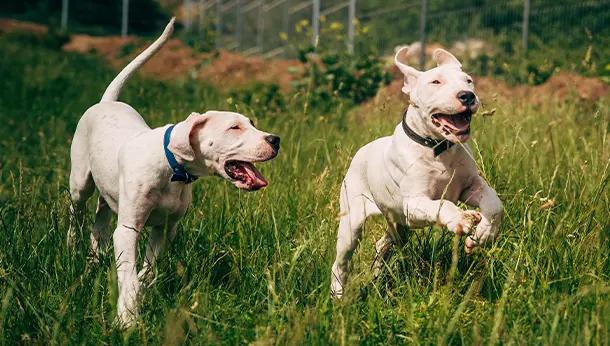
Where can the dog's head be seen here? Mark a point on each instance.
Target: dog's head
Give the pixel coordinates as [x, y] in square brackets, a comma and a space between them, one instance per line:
[226, 144]
[444, 96]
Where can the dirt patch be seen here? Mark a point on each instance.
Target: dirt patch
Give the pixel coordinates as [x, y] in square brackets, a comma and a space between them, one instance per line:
[564, 84]
[10, 26]
[107, 47]
[175, 59]
[228, 69]
[232, 69]
[557, 88]
[172, 61]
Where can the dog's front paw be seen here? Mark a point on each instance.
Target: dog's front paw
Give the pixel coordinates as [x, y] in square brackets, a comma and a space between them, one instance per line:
[465, 222]
[485, 234]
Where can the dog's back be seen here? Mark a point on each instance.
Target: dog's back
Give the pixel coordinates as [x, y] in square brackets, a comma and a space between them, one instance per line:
[106, 126]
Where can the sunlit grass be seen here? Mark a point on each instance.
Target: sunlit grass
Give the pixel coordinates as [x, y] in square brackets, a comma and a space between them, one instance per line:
[249, 267]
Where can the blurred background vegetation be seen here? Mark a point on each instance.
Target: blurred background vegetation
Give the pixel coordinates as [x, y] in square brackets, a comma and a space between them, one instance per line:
[564, 35]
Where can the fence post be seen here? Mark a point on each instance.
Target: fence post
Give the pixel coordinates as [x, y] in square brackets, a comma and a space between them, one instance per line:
[285, 24]
[125, 18]
[218, 25]
[350, 25]
[64, 15]
[201, 15]
[238, 25]
[261, 27]
[186, 9]
[422, 32]
[315, 22]
[526, 25]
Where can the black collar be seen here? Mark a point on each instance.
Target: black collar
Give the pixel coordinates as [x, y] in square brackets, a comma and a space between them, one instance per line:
[179, 173]
[438, 145]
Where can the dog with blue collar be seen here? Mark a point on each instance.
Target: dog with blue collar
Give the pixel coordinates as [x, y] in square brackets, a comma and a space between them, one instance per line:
[144, 175]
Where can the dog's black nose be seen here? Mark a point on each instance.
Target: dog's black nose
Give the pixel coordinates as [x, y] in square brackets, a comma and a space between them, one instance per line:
[467, 98]
[274, 141]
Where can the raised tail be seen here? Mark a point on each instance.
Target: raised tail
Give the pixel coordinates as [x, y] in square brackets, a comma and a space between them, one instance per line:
[114, 89]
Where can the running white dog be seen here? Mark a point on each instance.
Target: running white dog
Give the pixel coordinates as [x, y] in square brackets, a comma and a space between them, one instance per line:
[143, 174]
[415, 177]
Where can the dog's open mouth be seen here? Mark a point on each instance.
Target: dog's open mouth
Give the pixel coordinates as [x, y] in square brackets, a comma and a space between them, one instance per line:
[245, 175]
[457, 125]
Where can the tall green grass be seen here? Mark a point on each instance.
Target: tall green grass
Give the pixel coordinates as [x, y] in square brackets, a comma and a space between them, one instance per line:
[255, 267]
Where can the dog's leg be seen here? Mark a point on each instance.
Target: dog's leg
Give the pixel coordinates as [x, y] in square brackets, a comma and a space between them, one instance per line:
[383, 247]
[100, 234]
[133, 213]
[160, 238]
[354, 212]
[81, 189]
[126, 248]
[481, 195]
[422, 211]
[396, 235]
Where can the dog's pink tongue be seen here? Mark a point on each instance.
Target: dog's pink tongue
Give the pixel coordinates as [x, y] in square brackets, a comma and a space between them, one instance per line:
[256, 177]
[455, 122]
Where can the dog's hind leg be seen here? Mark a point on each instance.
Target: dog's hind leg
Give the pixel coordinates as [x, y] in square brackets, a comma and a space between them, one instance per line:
[160, 237]
[355, 208]
[396, 235]
[81, 189]
[100, 234]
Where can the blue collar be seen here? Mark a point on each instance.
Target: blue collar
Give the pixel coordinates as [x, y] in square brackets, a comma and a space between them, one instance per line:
[179, 173]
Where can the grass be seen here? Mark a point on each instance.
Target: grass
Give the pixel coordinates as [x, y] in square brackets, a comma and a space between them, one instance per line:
[255, 267]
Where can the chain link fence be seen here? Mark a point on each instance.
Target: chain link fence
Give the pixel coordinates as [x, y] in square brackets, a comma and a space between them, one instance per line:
[257, 26]
[271, 28]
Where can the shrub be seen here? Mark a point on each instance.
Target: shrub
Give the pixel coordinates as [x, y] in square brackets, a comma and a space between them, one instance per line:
[333, 75]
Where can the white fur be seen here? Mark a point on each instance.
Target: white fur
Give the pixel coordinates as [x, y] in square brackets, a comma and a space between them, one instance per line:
[116, 152]
[402, 179]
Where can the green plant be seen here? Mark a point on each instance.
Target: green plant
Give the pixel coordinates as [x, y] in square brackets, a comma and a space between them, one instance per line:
[202, 39]
[128, 49]
[263, 100]
[333, 75]
[52, 39]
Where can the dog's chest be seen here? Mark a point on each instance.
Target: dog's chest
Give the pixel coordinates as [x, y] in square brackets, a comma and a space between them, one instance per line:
[447, 180]
[445, 183]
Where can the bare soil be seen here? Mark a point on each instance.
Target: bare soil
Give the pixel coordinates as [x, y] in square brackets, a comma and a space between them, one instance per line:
[228, 69]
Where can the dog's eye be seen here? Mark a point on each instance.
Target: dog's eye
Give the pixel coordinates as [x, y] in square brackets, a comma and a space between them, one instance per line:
[436, 81]
[470, 81]
[235, 127]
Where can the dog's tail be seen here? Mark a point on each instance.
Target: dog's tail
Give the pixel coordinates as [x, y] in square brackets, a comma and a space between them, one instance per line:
[114, 89]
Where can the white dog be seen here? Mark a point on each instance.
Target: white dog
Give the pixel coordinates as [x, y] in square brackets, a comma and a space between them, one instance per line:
[143, 174]
[415, 177]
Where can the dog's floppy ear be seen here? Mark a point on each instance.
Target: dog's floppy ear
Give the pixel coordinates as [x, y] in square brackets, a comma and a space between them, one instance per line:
[409, 72]
[443, 57]
[181, 139]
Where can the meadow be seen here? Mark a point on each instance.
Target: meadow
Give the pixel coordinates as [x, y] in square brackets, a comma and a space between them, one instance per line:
[255, 267]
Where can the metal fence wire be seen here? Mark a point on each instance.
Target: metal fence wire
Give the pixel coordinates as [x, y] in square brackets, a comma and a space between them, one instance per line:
[271, 28]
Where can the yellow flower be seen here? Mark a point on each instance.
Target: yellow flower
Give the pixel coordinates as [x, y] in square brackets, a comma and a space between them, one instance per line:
[283, 36]
[335, 26]
[298, 28]
[356, 21]
[365, 29]
[608, 67]
[322, 18]
[304, 22]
